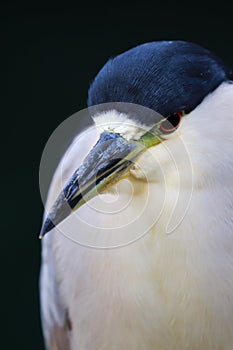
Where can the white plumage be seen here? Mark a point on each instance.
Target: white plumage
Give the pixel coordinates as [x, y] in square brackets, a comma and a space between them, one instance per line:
[164, 291]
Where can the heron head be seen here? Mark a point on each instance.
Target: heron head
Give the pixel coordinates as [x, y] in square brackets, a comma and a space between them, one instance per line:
[141, 99]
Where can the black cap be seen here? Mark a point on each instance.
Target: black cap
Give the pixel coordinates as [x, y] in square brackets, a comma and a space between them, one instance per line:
[165, 76]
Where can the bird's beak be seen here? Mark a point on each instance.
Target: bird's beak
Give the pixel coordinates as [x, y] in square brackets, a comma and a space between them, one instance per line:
[108, 161]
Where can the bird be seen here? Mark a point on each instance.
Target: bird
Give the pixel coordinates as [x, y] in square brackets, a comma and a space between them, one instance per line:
[137, 235]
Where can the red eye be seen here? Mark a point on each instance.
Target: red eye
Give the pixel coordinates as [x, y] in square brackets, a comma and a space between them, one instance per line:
[171, 123]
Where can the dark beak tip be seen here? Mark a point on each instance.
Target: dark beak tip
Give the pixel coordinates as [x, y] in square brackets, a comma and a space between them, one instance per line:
[47, 226]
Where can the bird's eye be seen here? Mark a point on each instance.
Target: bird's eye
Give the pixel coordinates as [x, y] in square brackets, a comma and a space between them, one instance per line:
[171, 123]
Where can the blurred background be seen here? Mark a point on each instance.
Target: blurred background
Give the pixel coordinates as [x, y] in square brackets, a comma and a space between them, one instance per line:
[49, 57]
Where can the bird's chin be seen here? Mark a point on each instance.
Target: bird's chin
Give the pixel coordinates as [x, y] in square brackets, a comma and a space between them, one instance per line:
[146, 171]
[126, 187]
[137, 173]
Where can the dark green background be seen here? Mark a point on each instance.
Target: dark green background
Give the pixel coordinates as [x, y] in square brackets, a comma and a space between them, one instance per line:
[50, 55]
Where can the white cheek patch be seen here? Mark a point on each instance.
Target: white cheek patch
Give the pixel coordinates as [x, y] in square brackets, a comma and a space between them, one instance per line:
[119, 123]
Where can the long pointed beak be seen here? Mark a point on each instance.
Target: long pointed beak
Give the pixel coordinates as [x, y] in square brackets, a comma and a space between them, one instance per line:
[108, 161]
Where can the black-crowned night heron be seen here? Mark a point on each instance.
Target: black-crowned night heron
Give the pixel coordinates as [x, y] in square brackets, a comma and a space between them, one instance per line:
[170, 289]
